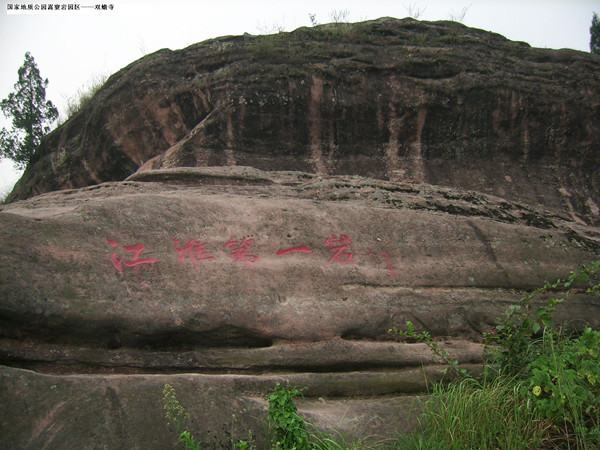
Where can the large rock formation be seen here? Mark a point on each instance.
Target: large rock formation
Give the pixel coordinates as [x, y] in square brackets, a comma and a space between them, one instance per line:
[405, 101]
[223, 280]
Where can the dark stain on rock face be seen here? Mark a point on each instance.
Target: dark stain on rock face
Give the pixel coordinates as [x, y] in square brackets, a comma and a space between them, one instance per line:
[455, 106]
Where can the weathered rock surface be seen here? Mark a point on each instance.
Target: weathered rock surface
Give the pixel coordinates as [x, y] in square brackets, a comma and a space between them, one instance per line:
[399, 100]
[222, 280]
[265, 208]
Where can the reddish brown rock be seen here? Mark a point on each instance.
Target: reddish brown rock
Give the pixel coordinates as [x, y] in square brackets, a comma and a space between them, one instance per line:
[400, 100]
[274, 205]
[221, 281]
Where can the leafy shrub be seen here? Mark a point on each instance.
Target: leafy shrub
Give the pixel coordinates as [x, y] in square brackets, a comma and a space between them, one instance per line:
[188, 441]
[514, 345]
[549, 381]
[288, 426]
[563, 384]
[246, 445]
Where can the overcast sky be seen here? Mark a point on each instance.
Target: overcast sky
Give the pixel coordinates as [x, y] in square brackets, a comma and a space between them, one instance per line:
[73, 47]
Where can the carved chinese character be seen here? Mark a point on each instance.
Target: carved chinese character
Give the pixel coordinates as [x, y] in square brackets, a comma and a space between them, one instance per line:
[300, 249]
[135, 259]
[337, 245]
[240, 252]
[194, 251]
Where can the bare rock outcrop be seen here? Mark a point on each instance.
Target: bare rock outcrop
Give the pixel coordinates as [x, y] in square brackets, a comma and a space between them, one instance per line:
[221, 281]
[399, 100]
[255, 209]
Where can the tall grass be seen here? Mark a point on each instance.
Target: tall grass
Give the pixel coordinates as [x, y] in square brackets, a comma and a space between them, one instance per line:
[84, 94]
[478, 415]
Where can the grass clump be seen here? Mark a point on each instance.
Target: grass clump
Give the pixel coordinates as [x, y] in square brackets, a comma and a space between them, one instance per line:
[469, 414]
[177, 419]
[84, 94]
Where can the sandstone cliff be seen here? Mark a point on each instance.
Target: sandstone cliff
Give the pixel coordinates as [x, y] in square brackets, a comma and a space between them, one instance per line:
[399, 100]
[265, 208]
[221, 281]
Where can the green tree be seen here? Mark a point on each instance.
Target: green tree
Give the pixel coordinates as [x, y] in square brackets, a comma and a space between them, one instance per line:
[595, 35]
[31, 114]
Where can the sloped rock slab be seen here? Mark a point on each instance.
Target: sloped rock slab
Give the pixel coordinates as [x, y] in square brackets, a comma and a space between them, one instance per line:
[126, 411]
[236, 274]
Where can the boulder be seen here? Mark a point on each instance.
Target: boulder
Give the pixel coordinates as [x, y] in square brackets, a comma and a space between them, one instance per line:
[399, 100]
[222, 281]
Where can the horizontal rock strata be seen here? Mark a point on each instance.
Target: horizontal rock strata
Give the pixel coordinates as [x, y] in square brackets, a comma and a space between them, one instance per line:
[221, 281]
[261, 209]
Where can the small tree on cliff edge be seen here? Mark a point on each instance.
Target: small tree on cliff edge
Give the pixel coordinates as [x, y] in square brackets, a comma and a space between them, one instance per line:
[31, 114]
[595, 35]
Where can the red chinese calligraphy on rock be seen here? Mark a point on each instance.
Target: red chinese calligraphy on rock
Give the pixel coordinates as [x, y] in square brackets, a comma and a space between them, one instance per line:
[241, 249]
[388, 261]
[383, 256]
[194, 251]
[337, 245]
[298, 249]
[135, 259]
